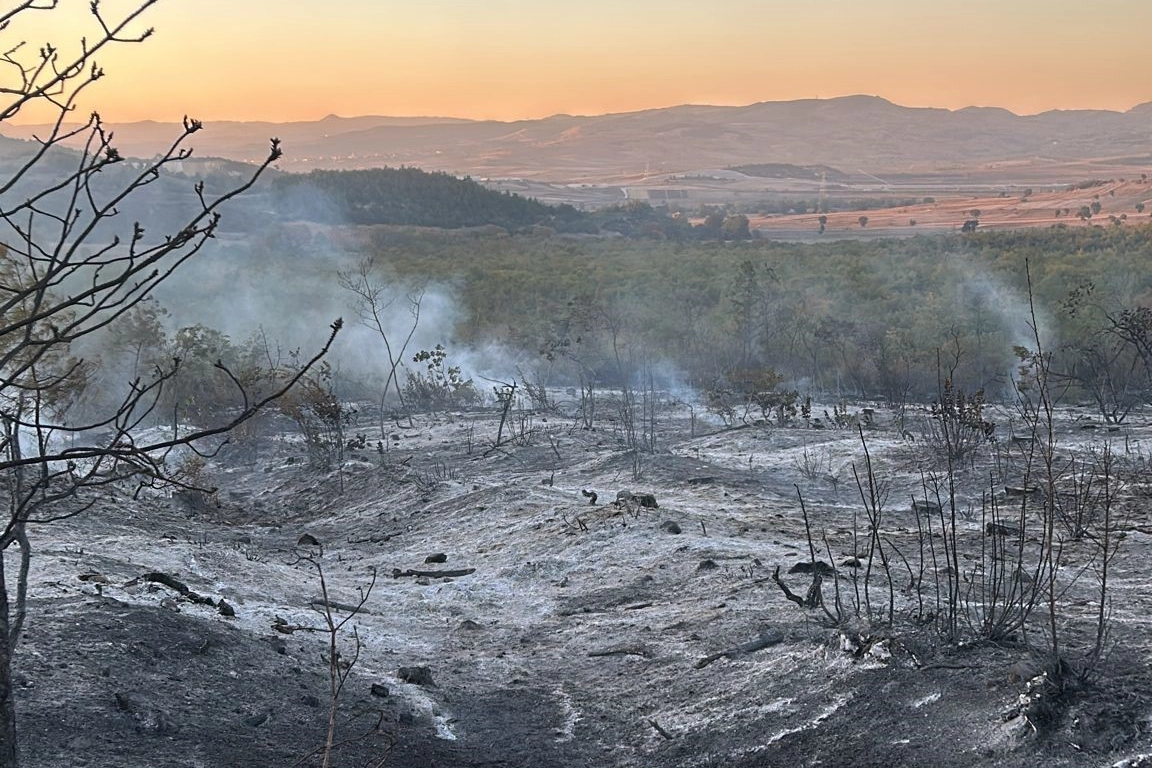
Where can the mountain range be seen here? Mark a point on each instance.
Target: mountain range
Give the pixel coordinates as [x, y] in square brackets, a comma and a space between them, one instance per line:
[858, 134]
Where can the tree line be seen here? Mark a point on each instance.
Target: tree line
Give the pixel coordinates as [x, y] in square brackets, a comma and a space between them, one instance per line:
[865, 319]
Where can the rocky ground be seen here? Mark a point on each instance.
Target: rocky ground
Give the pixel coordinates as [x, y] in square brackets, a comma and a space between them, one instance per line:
[571, 631]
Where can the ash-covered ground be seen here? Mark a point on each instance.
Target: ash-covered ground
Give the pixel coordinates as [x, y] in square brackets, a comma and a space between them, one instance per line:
[576, 632]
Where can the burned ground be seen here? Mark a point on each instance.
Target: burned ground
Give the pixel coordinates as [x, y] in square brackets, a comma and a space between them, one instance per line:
[582, 637]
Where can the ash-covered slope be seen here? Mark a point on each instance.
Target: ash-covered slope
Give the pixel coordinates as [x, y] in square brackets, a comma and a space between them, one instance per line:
[566, 633]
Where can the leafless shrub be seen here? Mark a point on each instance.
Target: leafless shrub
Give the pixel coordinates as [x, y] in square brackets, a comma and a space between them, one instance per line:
[341, 655]
[537, 394]
[430, 478]
[956, 428]
[317, 410]
[439, 386]
[815, 463]
[748, 395]
[374, 300]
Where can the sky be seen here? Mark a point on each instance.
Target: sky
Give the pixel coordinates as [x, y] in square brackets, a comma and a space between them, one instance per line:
[284, 60]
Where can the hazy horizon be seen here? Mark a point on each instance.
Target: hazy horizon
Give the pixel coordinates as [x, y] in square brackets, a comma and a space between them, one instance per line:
[350, 116]
[528, 59]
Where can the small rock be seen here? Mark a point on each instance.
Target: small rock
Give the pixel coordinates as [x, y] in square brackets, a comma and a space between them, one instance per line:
[1011, 735]
[307, 540]
[998, 529]
[309, 700]
[1023, 671]
[224, 608]
[470, 625]
[416, 676]
[257, 719]
[439, 557]
[880, 651]
[380, 690]
[925, 507]
[157, 722]
[670, 526]
[124, 702]
[1018, 491]
[707, 565]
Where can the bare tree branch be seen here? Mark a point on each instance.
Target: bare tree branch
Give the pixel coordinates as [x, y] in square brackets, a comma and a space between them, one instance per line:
[71, 266]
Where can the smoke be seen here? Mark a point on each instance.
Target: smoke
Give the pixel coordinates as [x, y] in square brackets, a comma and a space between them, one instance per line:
[1010, 312]
[294, 305]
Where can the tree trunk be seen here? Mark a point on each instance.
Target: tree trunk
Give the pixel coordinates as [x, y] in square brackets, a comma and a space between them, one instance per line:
[8, 757]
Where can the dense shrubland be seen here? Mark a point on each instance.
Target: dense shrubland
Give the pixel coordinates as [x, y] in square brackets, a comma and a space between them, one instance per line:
[850, 319]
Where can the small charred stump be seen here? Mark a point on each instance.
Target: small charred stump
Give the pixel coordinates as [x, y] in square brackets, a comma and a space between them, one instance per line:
[641, 500]
[816, 566]
[814, 598]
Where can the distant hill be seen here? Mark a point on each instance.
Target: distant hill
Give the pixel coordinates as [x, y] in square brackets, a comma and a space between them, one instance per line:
[854, 134]
[406, 196]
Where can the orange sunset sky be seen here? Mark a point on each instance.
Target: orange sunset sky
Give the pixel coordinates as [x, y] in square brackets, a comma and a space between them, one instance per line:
[510, 59]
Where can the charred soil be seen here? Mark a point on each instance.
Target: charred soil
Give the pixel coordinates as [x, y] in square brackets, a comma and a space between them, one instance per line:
[566, 633]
